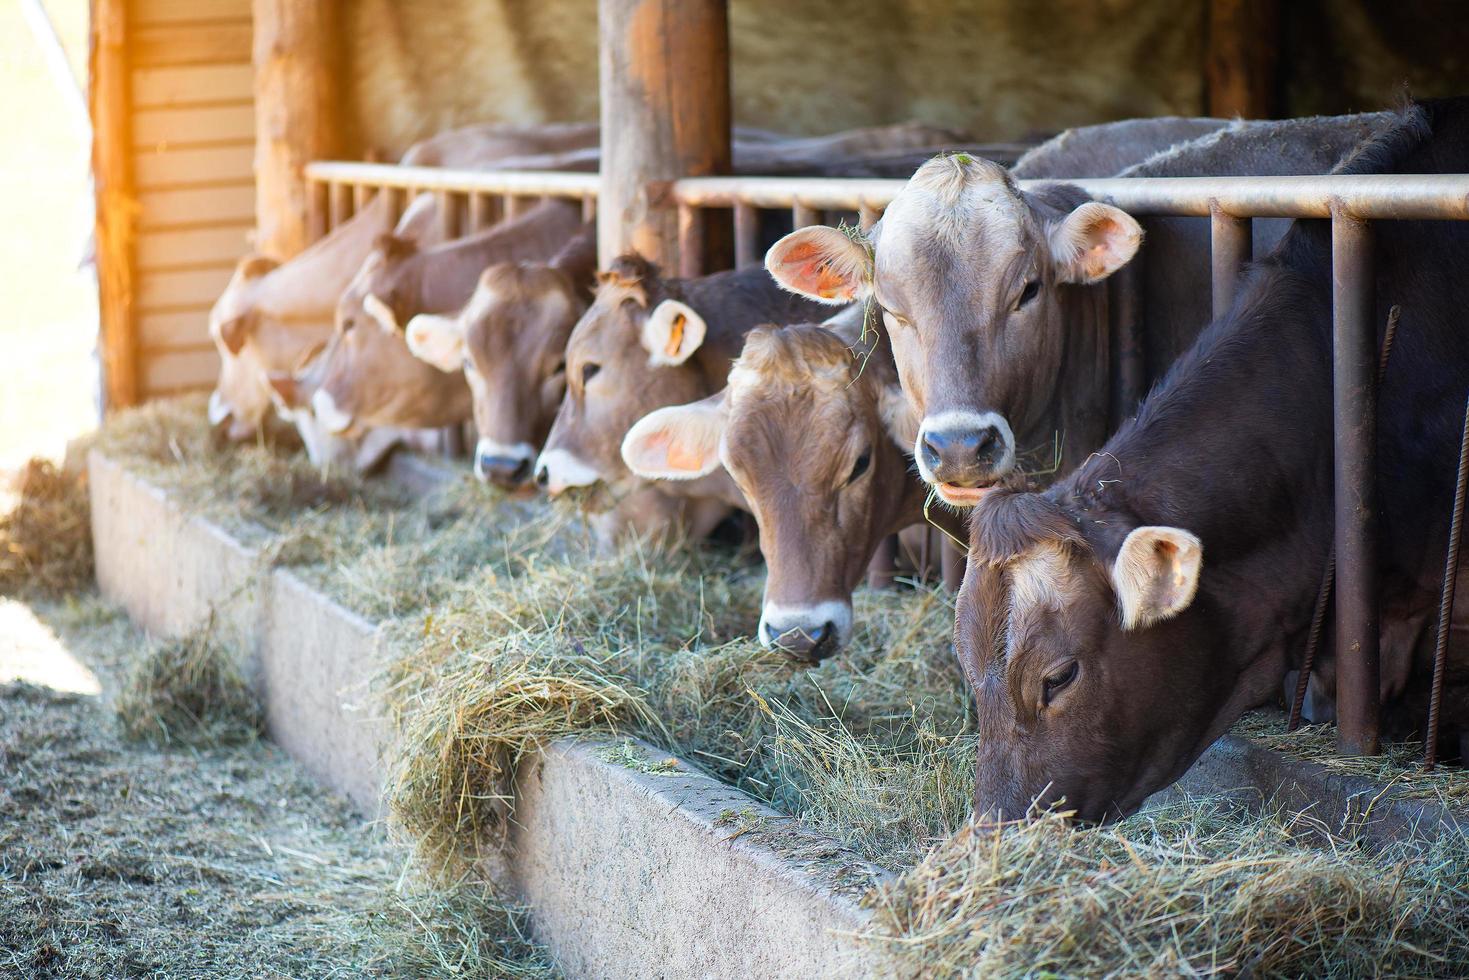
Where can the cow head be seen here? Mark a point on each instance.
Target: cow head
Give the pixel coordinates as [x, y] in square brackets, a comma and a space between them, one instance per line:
[803, 428]
[241, 397]
[632, 352]
[369, 379]
[1100, 671]
[510, 342]
[975, 278]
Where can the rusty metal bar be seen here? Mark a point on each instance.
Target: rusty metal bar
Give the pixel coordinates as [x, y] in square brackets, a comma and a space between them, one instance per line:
[1353, 286]
[690, 241]
[447, 203]
[883, 568]
[318, 210]
[1230, 247]
[1446, 599]
[341, 204]
[746, 225]
[953, 559]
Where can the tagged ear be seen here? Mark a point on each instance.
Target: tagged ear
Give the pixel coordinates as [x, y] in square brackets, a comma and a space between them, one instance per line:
[1093, 242]
[680, 442]
[1156, 574]
[898, 417]
[439, 340]
[381, 312]
[672, 332]
[232, 333]
[823, 264]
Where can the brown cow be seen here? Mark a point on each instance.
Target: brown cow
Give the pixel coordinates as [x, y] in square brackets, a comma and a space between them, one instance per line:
[510, 341]
[647, 342]
[368, 376]
[814, 430]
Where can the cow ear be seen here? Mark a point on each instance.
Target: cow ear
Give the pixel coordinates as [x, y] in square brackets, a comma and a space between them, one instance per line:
[286, 391]
[232, 332]
[255, 266]
[680, 442]
[672, 332]
[381, 312]
[898, 417]
[439, 340]
[1093, 242]
[823, 264]
[1156, 574]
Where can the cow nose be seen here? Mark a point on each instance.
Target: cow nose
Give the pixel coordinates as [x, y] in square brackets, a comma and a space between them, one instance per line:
[505, 471]
[963, 457]
[543, 476]
[810, 643]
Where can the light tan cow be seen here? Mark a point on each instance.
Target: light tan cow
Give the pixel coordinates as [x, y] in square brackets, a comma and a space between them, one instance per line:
[815, 431]
[510, 342]
[368, 377]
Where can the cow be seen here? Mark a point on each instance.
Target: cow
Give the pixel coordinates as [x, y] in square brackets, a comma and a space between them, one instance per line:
[368, 378]
[1113, 626]
[815, 432]
[993, 299]
[648, 341]
[510, 342]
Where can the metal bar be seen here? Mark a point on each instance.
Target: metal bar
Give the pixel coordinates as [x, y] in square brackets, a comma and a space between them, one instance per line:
[1446, 599]
[516, 205]
[362, 195]
[953, 559]
[690, 241]
[397, 202]
[480, 207]
[1127, 307]
[1230, 247]
[746, 223]
[318, 210]
[589, 208]
[1353, 285]
[447, 203]
[884, 565]
[341, 204]
[801, 215]
[527, 182]
[867, 215]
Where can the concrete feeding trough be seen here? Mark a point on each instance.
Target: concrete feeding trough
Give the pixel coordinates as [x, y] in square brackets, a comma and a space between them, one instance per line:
[632, 863]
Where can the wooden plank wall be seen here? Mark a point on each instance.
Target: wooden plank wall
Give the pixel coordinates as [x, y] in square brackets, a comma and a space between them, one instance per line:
[193, 128]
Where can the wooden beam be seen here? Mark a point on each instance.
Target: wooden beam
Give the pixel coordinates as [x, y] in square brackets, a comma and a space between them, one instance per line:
[296, 114]
[116, 203]
[665, 115]
[1243, 55]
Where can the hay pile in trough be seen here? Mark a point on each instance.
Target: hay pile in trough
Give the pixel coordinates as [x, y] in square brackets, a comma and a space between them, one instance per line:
[46, 533]
[188, 691]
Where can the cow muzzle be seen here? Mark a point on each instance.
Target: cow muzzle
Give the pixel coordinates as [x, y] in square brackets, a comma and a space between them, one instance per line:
[558, 471]
[962, 454]
[504, 466]
[807, 633]
[332, 418]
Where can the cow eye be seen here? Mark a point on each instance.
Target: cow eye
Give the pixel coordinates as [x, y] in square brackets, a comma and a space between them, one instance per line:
[1057, 682]
[1031, 290]
[559, 369]
[588, 372]
[348, 324]
[858, 468]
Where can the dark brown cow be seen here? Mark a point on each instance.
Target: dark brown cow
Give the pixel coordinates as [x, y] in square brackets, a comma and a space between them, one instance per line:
[1114, 626]
[647, 342]
[369, 377]
[510, 341]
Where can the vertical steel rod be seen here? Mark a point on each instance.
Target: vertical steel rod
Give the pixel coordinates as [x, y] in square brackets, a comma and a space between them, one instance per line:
[447, 203]
[868, 216]
[1127, 305]
[479, 212]
[516, 205]
[341, 204]
[318, 211]
[362, 195]
[1355, 408]
[1446, 599]
[589, 208]
[746, 225]
[690, 241]
[1230, 246]
[397, 202]
[883, 568]
[801, 216]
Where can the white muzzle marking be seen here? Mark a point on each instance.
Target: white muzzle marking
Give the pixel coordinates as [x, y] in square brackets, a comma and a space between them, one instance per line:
[332, 418]
[813, 616]
[520, 452]
[218, 410]
[963, 419]
[564, 471]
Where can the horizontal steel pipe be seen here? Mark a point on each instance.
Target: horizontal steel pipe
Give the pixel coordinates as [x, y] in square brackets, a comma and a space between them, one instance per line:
[518, 182]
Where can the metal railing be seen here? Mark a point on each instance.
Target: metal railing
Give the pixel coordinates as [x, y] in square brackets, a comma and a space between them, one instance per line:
[1350, 202]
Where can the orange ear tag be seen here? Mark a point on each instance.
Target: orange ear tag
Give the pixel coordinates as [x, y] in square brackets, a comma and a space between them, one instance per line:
[675, 335]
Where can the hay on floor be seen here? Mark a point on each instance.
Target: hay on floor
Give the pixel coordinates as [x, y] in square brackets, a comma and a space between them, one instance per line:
[188, 691]
[46, 535]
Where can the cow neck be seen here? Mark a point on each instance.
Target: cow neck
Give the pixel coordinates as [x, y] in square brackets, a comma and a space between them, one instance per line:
[1235, 446]
[1078, 408]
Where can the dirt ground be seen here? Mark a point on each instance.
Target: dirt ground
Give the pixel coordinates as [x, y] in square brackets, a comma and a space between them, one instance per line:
[120, 859]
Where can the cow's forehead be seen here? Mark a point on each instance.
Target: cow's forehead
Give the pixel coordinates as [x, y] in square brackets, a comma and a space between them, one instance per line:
[979, 214]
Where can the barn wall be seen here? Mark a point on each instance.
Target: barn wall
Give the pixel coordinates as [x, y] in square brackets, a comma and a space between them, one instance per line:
[193, 133]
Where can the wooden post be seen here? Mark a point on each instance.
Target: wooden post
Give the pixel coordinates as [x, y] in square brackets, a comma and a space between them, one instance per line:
[665, 115]
[116, 203]
[1243, 53]
[296, 114]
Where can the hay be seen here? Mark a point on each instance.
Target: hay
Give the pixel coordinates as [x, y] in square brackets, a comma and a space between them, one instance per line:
[188, 691]
[46, 538]
[1399, 769]
[1193, 888]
